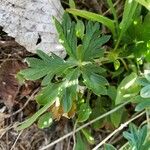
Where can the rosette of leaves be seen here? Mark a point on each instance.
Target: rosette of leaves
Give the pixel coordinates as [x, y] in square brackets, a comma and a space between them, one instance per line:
[60, 78]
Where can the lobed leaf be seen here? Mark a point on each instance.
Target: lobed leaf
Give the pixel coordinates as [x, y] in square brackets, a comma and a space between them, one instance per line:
[67, 34]
[95, 82]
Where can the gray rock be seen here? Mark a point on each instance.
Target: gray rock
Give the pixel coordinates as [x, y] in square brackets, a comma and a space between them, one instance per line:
[30, 23]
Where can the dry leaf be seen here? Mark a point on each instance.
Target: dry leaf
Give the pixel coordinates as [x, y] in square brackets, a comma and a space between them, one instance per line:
[58, 112]
[30, 23]
[9, 84]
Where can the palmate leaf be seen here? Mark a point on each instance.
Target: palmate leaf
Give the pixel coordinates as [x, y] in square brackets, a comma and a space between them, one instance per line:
[92, 41]
[46, 66]
[136, 137]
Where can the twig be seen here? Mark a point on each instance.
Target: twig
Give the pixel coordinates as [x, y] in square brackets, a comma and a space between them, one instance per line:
[16, 140]
[8, 128]
[105, 13]
[74, 136]
[117, 130]
[26, 103]
[85, 125]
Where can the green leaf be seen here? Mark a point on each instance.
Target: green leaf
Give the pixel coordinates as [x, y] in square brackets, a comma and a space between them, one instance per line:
[67, 34]
[88, 136]
[20, 78]
[97, 110]
[116, 64]
[128, 88]
[95, 68]
[128, 14]
[143, 105]
[70, 89]
[143, 81]
[45, 120]
[92, 42]
[112, 92]
[95, 82]
[146, 146]
[145, 92]
[136, 137]
[48, 93]
[84, 112]
[145, 3]
[139, 39]
[46, 66]
[72, 4]
[67, 100]
[27, 123]
[80, 29]
[94, 17]
[46, 58]
[47, 79]
[109, 147]
[147, 74]
[116, 117]
[80, 144]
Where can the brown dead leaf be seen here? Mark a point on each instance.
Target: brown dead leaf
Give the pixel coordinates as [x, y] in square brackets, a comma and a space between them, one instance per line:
[58, 112]
[72, 112]
[9, 85]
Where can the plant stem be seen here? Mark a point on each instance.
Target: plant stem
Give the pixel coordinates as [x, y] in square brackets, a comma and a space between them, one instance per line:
[118, 41]
[110, 3]
[85, 125]
[124, 63]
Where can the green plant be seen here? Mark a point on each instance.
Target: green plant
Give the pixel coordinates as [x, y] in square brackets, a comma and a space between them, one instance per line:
[92, 79]
[137, 138]
[81, 64]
